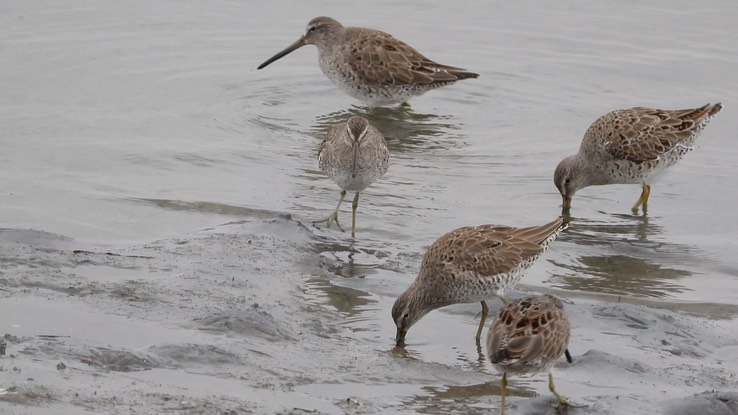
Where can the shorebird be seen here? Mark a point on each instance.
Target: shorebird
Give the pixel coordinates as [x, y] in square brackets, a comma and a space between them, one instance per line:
[631, 146]
[354, 154]
[471, 264]
[370, 65]
[528, 336]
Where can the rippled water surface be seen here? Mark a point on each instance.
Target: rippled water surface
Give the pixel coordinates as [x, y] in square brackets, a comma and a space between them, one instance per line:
[130, 122]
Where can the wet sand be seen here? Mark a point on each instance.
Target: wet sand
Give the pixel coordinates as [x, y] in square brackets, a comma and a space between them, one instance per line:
[156, 194]
[246, 317]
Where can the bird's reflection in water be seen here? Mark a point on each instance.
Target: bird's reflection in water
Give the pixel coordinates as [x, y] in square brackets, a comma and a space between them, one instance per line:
[623, 256]
[472, 391]
[345, 259]
[350, 268]
[405, 129]
[623, 228]
[462, 399]
[622, 275]
[344, 299]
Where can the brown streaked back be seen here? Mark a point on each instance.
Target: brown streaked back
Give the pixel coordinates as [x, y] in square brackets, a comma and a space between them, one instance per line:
[381, 59]
[488, 250]
[644, 134]
[528, 335]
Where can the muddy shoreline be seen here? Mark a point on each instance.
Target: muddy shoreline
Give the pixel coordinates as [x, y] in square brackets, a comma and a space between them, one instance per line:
[247, 317]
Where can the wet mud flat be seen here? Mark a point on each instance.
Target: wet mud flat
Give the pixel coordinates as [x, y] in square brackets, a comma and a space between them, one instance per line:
[250, 317]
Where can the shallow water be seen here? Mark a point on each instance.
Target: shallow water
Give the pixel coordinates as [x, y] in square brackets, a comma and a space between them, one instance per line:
[134, 127]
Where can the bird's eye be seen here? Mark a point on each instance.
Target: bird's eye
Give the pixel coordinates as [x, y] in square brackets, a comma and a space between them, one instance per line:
[567, 181]
[406, 316]
[312, 29]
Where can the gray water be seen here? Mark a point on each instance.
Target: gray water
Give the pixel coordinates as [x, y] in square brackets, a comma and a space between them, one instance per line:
[132, 127]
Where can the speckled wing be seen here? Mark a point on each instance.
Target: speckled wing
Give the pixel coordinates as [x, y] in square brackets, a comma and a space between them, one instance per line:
[380, 59]
[645, 134]
[330, 137]
[507, 343]
[491, 249]
[379, 150]
[530, 331]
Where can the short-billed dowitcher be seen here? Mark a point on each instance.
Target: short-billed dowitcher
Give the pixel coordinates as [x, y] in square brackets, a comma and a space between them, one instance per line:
[528, 336]
[354, 154]
[471, 264]
[631, 146]
[370, 65]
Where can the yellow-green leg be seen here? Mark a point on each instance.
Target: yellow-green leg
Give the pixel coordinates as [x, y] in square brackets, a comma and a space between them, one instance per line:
[643, 200]
[503, 388]
[562, 401]
[334, 215]
[646, 193]
[485, 313]
[354, 206]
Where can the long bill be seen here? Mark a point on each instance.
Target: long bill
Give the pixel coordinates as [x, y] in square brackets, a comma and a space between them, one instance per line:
[567, 204]
[289, 49]
[400, 337]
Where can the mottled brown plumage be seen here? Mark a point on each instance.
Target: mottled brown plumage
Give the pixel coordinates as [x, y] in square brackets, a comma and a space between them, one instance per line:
[354, 154]
[631, 146]
[371, 65]
[471, 264]
[528, 336]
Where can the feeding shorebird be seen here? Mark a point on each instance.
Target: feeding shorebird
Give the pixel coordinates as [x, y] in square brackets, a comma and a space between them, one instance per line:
[528, 336]
[371, 65]
[354, 154]
[471, 264]
[631, 146]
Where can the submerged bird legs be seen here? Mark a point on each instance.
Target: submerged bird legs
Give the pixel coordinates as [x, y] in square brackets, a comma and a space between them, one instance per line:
[643, 200]
[485, 313]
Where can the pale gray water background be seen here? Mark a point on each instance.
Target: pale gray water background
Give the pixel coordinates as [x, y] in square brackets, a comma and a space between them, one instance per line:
[144, 128]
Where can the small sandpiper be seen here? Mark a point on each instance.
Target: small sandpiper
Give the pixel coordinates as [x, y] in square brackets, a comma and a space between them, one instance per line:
[354, 154]
[631, 146]
[471, 264]
[371, 65]
[528, 336]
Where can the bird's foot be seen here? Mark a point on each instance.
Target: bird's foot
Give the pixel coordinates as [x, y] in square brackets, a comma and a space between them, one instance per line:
[564, 403]
[333, 217]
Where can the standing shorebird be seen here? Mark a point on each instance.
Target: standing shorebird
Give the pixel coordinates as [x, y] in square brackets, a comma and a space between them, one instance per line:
[631, 146]
[468, 265]
[354, 154]
[528, 336]
[370, 65]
